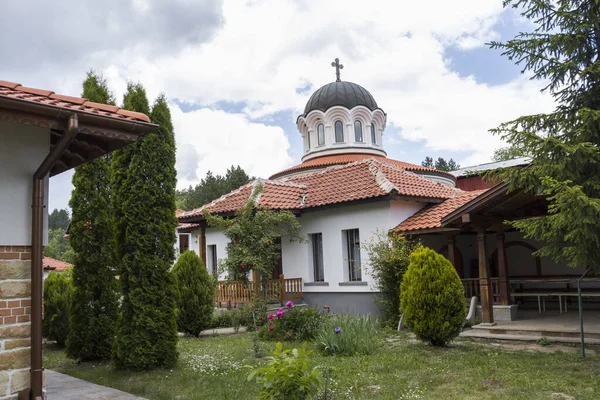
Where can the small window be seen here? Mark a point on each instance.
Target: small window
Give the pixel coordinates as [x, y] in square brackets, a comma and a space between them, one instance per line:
[211, 258]
[321, 134]
[352, 253]
[317, 253]
[308, 135]
[339, 132]
[184, 242]
[358, 134]
[373, 137]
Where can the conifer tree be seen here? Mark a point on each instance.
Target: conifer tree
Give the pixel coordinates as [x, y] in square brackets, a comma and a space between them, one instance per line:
[147, 328]
[564, 51]
[95, 290]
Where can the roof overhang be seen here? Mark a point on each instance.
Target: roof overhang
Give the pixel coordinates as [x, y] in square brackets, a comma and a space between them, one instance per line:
[97, 134]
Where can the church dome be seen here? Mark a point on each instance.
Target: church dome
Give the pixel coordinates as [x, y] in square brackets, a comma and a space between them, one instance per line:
[345, 94]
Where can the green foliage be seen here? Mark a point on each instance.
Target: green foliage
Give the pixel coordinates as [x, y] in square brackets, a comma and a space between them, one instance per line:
[58, 219]
[292, 324]
[441, 164]
[58, 246]
[211, 187]
[95, 288]
[432, 298]
[196, 291]
[144, 180]
[389, 256]
[287, 376]
[346, 335]
[563, 50]
[252, 235]
[58, 291]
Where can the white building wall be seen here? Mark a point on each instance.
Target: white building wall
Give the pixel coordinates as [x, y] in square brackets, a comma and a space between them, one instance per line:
[22, 149]
[217, 238]
[367, 218]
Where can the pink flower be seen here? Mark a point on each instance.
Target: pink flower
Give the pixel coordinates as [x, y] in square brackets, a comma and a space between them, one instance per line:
[289, 304]
[270, 328]
[270, 317]
[279, 313]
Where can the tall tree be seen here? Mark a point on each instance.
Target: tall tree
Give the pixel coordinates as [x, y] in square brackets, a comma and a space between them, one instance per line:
[95, 289]
[59, 219]
[564, 50]
[440, 164]
[147, 327]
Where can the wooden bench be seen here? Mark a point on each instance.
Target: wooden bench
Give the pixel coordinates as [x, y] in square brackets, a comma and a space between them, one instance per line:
[542, 294]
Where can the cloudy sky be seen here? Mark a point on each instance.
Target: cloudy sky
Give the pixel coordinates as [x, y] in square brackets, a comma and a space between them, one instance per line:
[238, 72]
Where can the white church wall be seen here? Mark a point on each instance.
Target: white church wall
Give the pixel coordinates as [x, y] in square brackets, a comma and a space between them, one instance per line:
[217, 238]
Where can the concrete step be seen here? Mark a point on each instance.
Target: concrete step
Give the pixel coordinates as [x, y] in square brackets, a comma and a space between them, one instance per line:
[507, 329]
[523, 337]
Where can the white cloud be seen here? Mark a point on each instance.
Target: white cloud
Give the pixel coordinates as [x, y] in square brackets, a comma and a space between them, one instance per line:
[214, 140]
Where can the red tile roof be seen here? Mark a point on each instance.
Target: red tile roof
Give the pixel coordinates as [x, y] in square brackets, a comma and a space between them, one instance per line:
[353, 157]
[364, 179]
[431, 217]
[17, 91]
[55, 265]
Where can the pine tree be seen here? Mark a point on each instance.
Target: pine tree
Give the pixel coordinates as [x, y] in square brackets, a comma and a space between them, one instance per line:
[564, 51]
[147, 328]
[196, 293]
[95, 290]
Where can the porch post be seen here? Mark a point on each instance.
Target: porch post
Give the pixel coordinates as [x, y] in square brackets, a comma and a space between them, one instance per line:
[487, 310]
[504, 284]
[452, 253]
[202, 242]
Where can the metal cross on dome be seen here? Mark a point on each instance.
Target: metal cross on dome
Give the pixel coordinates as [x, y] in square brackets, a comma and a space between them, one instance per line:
[337, 66]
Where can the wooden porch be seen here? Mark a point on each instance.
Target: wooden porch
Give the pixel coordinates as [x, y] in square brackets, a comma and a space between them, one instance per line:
[278, 291]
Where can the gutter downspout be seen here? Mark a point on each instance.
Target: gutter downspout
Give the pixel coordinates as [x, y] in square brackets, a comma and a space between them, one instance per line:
[37, 231]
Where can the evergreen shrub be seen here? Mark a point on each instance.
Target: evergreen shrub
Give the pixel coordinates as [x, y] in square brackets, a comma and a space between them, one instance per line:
[432, 298]
[58, 291]
[195, 294]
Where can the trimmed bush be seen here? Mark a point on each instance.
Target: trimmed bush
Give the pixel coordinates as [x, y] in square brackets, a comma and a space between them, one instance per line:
[433, 298]
[292, 324]
[346, 335]
[195, 294]
[58, 291]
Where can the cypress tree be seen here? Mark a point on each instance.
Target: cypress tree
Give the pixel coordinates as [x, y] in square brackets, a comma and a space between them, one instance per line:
[147, 327]
[564, 51]
[95, 290]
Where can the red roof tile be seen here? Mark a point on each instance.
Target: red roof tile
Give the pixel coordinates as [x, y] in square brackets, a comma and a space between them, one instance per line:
[55, 265]
[14, 90]
[353, 157]
[431, 217]
[364, 179]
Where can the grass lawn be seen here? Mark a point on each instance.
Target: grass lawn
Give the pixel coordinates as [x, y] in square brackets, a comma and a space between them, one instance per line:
[210, 368]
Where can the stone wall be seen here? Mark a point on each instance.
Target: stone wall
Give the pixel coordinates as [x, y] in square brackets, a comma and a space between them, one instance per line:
[15, 315]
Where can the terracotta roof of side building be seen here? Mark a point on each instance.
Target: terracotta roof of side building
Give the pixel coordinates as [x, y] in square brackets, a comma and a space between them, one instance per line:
[55, 265]
[17, 91]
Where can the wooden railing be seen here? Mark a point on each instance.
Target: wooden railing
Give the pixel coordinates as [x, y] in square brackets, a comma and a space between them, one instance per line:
[472, 288]
[277, 290]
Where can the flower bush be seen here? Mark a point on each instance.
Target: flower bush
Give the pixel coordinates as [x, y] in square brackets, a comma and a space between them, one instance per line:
[347, 335]
[291, 323]
[287, 376]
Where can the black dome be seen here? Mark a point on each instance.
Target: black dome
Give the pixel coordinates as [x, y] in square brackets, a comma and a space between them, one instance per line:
[346, 94]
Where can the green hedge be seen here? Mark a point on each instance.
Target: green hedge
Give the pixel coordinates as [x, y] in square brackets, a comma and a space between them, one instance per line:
[58, 291]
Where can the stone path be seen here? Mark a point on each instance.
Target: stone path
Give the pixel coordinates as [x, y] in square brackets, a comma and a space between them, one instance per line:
[64, 387]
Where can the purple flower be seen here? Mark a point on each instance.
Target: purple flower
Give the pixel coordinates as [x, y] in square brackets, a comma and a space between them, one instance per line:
[279, 313]
[270, 317]
[289, 304]
[337, 330]
[270, 328]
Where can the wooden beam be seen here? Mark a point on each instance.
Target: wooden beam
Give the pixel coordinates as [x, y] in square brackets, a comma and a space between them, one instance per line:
[504, 285]
[487, 303]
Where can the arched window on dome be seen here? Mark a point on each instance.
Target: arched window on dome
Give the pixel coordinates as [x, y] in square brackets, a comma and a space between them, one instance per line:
[373, 137]
[321, 135]
[358, 133]
[308, 137]
[339, 131]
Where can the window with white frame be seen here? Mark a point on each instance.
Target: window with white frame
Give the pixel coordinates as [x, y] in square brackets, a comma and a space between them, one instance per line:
[320, 135]
[317, 256]
[211, 257]
[339, 131]
[352, 254]
[358, 133]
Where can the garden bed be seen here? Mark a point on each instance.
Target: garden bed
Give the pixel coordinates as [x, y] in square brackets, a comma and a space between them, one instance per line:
[212, 368]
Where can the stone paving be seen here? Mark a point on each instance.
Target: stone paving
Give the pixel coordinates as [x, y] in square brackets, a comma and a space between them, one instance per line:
[64, 387]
